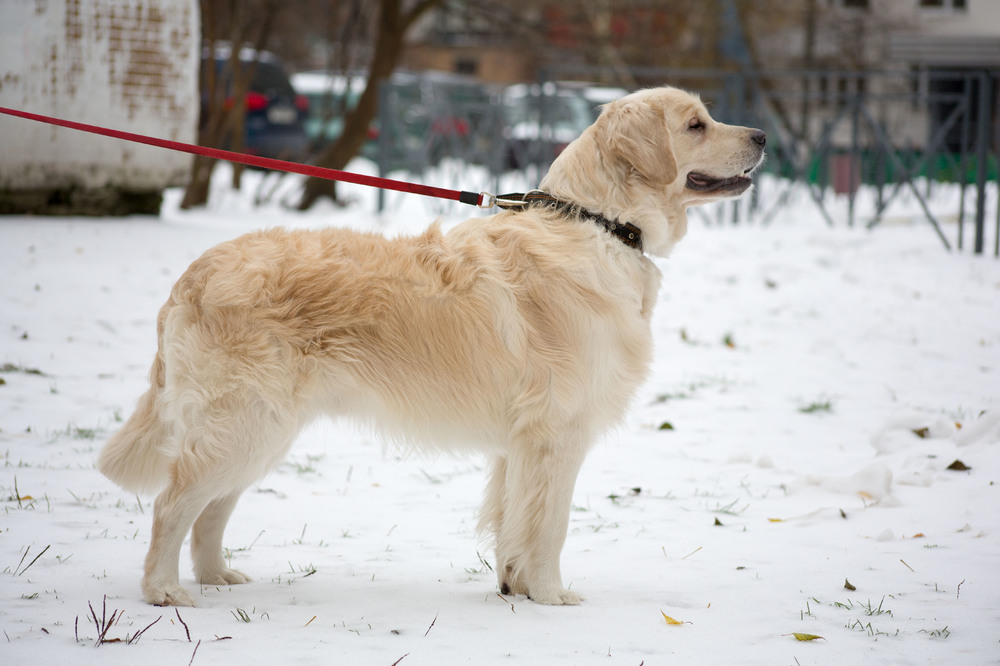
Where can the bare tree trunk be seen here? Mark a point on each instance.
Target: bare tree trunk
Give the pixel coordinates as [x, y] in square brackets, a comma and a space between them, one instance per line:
[249, 22]
[345, 36]
[391, 27]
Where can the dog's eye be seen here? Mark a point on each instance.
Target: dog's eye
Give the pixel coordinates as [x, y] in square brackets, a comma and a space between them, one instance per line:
[696, 125]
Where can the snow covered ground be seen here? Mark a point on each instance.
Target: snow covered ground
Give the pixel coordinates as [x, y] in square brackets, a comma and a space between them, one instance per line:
[786, 470]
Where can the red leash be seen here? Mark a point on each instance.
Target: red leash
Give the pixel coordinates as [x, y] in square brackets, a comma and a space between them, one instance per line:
[472, 198]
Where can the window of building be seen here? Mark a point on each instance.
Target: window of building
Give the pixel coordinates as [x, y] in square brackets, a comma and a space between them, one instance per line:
[850, 4]
[948, 5]
[468, 66]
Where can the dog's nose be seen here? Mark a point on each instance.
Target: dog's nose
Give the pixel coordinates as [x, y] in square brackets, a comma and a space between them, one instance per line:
[759, 137]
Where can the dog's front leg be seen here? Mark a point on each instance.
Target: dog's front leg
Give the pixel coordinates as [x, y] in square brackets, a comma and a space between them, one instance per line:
[536, 497]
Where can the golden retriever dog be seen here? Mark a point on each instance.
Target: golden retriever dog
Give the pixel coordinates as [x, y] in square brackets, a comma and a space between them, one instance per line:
[522, 336]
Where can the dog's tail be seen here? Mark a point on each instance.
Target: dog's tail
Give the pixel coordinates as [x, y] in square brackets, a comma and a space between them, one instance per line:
[135, 457]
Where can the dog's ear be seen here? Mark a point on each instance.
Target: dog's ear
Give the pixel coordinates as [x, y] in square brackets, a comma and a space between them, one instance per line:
[635, 135]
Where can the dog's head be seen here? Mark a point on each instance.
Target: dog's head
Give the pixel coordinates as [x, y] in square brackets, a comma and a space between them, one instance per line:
[649, 156]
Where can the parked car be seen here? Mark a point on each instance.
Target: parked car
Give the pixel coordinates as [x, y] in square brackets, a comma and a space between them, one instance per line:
[431, 115]
[330, 97]
[598, 96]
[540, 121]
[274, 125]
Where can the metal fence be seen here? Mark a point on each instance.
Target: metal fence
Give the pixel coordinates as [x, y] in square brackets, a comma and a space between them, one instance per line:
[857, 145]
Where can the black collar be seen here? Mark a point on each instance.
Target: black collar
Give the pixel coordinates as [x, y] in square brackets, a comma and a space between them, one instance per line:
[626, 232]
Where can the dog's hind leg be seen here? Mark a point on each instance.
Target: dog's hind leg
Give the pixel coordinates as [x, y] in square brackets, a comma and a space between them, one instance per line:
[229, 443]
[537, 494]
[174, 512]
[206, 544]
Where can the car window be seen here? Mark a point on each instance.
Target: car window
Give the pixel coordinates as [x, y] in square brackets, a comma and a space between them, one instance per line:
[269, 78]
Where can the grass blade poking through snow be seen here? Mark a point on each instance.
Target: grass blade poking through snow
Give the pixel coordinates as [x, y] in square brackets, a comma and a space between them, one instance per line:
[34, 560]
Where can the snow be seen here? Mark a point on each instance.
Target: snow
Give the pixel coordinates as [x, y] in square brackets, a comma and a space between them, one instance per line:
[811, 387]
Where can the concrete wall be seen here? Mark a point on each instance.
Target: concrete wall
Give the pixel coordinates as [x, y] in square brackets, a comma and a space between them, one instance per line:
[125, 64]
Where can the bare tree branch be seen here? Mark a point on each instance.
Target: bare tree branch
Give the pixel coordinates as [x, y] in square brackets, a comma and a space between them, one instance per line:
[391, 26]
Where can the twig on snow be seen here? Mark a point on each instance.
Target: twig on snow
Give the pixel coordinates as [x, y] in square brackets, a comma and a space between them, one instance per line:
[186, 630]
[135, 638]
[432, 624]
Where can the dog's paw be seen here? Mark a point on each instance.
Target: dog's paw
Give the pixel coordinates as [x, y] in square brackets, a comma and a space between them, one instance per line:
[170, 595]
[224, 577]
[555, 596]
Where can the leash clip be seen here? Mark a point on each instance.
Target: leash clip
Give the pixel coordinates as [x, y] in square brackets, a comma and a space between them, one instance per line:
[490, 200]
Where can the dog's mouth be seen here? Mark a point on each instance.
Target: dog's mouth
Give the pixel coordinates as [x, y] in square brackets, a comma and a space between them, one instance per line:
[701, 182]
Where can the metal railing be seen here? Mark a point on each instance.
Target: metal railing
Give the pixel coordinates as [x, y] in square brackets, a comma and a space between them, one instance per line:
[854, 143]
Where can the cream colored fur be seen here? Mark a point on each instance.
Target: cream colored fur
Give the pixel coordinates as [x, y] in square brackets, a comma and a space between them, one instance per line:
[522, 336]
